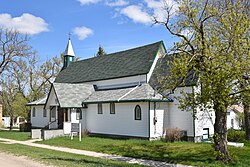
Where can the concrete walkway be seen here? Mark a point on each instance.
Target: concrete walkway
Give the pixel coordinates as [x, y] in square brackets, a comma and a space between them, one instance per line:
[93, 154]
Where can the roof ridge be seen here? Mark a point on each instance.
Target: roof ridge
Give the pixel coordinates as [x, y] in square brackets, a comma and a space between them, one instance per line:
[128, 93]
[110, 54]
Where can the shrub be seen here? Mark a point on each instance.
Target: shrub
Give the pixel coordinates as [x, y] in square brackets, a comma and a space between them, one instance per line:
[25, 127]
[173, 134]
[85, 133]
[236, 135]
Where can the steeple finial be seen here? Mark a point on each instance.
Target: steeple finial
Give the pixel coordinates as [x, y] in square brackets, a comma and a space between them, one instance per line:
[69, 35]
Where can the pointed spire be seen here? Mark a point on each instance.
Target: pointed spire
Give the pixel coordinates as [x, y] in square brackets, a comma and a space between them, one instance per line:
[69, 55]
[69, 49]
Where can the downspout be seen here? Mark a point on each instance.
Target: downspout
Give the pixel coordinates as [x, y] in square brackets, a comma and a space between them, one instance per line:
[149, 120]
[155, 118]
[193, 115]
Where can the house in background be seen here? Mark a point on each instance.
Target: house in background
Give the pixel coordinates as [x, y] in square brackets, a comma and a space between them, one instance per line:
[116, 95]
[16, 123]
[233, 120]
[39, 115]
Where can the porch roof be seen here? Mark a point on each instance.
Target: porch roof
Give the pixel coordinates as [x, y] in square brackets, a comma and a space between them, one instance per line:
[71, 95]
[37, 102]
[142, 92]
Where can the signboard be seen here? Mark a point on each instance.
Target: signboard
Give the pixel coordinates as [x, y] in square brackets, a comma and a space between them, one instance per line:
[75, 127]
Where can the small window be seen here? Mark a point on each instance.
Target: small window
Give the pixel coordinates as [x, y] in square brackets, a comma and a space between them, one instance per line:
[112, 108]
[34, 112]
[44, 113]
[137, 112]
[99, 108]
[78, 114]
[53, 112]
[232, 123]
[228, 113]
[205, 135]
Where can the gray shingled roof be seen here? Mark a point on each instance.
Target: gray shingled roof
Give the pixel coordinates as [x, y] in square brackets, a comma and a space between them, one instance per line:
[143, 92]
[38, 102]
[130, 62]
[162, 69]
[72, 95]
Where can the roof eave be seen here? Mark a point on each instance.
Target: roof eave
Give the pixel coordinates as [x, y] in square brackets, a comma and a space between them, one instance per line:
[35, 104]
[134, 100]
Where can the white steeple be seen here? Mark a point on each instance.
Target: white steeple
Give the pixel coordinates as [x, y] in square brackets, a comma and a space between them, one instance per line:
[69, 49]
[68, 55]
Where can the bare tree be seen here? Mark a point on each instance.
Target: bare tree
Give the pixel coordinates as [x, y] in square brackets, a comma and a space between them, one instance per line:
[41, 75]
[13, 45]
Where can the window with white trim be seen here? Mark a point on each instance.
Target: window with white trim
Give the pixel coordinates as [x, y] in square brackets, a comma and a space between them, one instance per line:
[137, 112]
[99, 108]
[112, 108]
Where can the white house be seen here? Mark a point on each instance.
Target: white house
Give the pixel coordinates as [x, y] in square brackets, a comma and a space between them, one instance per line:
[17, 121]
[233, 121]
[116, 95]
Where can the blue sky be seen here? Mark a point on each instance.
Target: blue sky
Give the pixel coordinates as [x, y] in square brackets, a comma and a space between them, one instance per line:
[114, 24]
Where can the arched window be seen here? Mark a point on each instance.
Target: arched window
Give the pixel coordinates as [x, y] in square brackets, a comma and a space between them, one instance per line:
[137, 112]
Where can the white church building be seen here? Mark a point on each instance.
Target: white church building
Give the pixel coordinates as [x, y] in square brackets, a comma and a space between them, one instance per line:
[116, 95]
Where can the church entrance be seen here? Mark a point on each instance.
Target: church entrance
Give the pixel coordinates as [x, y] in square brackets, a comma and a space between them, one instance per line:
[60, 118]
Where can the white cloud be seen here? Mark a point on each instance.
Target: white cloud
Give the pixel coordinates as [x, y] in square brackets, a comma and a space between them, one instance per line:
[25, 24]
[116, 3]
[187, 33]
[141, 12]
[82, 32]
[159, 8]
[87, 2]
[137, 14]
[154, 4]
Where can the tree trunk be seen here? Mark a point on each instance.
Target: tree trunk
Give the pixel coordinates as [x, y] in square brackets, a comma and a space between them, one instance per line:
[220, 134]
[246, 106]
[11, 122]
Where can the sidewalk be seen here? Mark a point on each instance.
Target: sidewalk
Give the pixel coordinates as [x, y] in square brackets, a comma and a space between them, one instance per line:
[93, 154]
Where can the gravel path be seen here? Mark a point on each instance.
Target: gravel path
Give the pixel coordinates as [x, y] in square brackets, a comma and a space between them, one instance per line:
[8, 160]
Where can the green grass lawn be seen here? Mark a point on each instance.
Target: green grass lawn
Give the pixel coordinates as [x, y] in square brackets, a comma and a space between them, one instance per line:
[199, 154]
[15, 135]
[57, 158]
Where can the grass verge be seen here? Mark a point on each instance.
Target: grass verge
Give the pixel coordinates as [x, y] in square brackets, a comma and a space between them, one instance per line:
[189, 153]
[57, 158]
[15, 135]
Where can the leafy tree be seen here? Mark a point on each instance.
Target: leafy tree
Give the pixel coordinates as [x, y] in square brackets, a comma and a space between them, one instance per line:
[19, 106]
[101, 51]
[240, 119]
[9, 91]
[214, 45]
[246, 106]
